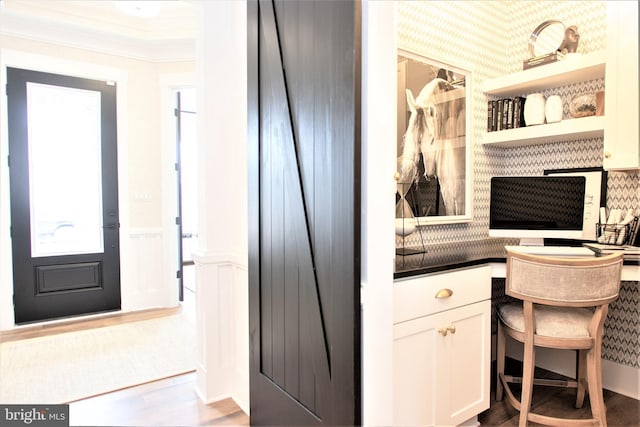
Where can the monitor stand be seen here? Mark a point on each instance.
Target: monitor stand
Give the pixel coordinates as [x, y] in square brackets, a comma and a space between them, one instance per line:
[532, 241]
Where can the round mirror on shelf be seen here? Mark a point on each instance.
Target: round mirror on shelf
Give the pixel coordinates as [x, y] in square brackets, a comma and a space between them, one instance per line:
[546, 38]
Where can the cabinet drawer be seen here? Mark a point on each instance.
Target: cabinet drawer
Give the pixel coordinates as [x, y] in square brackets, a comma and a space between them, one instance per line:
[416, 297]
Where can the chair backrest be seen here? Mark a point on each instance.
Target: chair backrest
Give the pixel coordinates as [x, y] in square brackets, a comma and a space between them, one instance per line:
[579, 282]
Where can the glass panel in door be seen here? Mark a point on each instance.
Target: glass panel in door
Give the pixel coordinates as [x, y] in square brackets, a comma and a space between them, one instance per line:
[65, 172]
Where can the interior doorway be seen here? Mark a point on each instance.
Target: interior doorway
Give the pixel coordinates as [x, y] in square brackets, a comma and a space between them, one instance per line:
[187, 176]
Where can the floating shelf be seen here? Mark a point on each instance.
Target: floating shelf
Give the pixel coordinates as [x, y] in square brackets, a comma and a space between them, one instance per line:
[570, 70]
[566, 130]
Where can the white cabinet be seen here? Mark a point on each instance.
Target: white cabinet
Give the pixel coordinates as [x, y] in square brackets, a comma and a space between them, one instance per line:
[441, 347]
[621, 143]
[581, 68]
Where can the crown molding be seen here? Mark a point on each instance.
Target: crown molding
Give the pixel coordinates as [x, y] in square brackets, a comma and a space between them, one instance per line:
[181, 48]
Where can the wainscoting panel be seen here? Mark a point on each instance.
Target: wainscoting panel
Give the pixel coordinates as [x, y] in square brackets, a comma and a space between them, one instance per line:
[143, 284]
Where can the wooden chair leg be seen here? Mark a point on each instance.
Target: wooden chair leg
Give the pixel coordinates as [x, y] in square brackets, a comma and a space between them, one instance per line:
[594, 368]
[500, 355]
[527, 382]
[581, 377]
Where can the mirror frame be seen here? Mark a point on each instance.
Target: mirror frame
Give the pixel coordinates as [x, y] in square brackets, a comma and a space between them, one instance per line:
[451, 156]
[535, 35]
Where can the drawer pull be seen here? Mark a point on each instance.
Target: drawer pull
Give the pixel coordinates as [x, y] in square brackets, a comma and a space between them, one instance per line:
[444, 331]
[444, 293]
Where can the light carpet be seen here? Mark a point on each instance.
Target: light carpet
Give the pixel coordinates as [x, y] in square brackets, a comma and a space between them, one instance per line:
[75, 365]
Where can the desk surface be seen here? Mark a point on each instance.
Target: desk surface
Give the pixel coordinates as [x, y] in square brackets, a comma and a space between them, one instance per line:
[443, 257]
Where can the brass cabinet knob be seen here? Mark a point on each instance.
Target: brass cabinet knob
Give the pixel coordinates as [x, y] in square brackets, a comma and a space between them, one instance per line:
[607, 154]
[444, 293]
[447, 329]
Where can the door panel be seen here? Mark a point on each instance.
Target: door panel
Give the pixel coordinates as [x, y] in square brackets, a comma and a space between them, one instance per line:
[64, 200]
[304, 208]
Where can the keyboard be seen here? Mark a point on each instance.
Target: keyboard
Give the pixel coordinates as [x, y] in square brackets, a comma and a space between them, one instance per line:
[566, 251]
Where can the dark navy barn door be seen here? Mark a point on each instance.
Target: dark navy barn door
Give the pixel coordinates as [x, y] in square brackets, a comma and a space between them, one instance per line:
[304, 248]
[64, 195]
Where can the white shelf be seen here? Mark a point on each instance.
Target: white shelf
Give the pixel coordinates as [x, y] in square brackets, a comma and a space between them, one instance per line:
[570, 70]
[566, 130]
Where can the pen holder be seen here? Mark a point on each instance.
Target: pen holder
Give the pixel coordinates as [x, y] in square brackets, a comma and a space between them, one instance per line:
[615, 234]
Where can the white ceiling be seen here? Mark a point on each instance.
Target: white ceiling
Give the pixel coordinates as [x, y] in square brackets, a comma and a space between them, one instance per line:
[101, 26]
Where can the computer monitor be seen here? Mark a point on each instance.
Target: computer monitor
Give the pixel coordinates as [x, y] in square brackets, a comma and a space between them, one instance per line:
[533, 208]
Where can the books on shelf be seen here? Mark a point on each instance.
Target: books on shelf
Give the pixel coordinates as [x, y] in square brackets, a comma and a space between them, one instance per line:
[505, 113]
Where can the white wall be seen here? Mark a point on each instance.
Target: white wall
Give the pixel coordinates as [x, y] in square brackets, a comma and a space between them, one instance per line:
[221, 259]
[379, 74]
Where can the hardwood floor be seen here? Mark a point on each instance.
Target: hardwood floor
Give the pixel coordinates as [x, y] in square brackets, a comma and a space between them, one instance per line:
[173, 402]
[168, 402]
[622, 411]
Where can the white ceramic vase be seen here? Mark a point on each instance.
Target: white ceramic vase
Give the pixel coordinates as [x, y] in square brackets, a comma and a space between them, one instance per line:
[553, 109]
[405, 226]
[534, 109]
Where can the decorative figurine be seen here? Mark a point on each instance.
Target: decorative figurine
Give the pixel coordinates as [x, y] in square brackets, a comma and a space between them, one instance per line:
[571, 39]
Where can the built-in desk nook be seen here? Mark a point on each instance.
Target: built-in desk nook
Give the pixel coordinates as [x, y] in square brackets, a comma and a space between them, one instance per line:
[444, 320]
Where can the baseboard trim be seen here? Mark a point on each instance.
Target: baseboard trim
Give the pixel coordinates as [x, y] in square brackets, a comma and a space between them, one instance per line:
[209, 401]
[621, 379]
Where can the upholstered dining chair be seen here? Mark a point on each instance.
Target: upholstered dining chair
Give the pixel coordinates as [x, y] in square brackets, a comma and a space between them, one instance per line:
[556, 310]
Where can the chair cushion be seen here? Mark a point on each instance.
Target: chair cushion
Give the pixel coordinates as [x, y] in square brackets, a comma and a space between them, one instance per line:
[551, 321]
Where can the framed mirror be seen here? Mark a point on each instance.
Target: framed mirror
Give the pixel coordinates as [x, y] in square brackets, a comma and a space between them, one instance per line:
[548, 37]
[433, 142]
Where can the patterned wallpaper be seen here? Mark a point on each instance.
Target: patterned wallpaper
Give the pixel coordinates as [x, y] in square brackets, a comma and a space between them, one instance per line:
[490, 39]
[463, 34]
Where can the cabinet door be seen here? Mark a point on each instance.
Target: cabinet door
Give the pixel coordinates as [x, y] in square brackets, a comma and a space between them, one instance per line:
[464, 373]
[414, 362]
[621, 144]
[442, 379]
